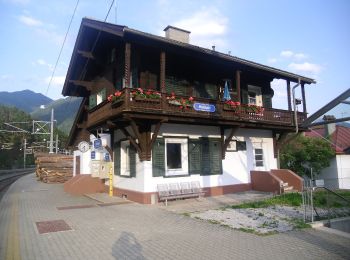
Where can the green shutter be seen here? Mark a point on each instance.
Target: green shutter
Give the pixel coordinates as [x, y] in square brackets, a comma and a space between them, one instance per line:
[132, 160]
[244, 96]
[103, 94]
[215, 156]
[205, 156]
[179, 87]
[267, 101]
[158, 158]
[194, 156]
[211, 156]
[117, 158]
[92, 101]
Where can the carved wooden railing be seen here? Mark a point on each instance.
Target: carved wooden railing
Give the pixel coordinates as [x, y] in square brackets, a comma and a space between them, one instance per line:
[163, 106]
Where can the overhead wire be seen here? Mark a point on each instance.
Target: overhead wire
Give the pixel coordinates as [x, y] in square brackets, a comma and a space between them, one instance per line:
[60, 53]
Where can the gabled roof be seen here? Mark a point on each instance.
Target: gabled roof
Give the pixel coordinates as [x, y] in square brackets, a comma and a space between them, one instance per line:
[127, 33]
[340, 137]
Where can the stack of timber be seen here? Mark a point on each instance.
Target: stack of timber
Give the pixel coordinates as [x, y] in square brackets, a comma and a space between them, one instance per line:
[53, 168]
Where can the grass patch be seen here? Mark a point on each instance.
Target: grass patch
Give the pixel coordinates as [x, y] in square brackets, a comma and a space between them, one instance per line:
[247, 230]
[320, 199]
[299, 223]
[289, 199]
[213, 221]
[186, 214]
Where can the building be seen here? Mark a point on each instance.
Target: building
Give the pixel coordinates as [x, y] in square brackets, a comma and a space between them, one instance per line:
[165, 105]
[337, 175]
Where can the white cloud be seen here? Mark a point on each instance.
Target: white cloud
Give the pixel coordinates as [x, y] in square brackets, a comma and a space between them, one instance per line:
[305, 67]
[208, 26]
[20, 2]
[287, 54]
[42, 62]
[30, 21]
[6, 76]
[300, 56]
[50, 35]
[57, 81]
[272, 60]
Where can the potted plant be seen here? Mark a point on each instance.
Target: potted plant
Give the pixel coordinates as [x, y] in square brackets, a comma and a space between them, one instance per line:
[146, 95]
[182, 103]
[116, 98]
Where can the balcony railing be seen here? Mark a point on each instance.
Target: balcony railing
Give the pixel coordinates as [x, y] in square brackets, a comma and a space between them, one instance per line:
[210, 109]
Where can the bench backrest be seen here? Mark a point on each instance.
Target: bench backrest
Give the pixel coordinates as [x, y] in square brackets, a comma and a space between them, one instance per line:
[174, 189]
[163, 190]
[196, 187]
[185, 187]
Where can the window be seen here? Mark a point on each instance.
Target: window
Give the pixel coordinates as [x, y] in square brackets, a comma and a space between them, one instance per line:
[254, 95]
[124, 159]
[251, 98]
[176, 156]
[259, 157]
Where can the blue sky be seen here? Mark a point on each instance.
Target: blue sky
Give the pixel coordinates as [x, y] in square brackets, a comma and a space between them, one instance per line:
[310, 38]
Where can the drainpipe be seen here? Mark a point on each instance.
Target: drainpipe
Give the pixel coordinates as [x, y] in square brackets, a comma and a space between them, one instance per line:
[294, 107]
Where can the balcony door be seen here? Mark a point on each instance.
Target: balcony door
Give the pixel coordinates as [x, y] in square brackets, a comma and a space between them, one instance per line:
[254, 96]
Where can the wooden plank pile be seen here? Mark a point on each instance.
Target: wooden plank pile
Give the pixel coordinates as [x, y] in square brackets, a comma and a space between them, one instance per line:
[53, 168]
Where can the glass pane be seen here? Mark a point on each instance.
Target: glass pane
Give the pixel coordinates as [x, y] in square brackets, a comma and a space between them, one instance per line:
[258, 157]
[258, 151]
[259, 163]
[173, 156]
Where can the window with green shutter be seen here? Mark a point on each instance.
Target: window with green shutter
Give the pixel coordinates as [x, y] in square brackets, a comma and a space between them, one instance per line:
[158, 158]
[194, 156]
[116, 158]
[211, 158]
[92, 101]
[132, 161]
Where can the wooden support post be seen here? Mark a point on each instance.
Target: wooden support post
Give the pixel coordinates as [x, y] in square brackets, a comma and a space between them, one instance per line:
[288, 96]
[225, 143]
[238, 85]
[162, 78]
[127, 64]
[303, 97]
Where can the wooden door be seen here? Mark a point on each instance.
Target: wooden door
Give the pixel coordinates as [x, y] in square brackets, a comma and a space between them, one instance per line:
[77, 165]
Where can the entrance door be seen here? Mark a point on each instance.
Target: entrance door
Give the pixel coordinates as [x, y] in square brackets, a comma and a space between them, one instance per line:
[77, 165]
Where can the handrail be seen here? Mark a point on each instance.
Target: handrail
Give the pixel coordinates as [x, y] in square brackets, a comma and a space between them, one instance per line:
[338, 195]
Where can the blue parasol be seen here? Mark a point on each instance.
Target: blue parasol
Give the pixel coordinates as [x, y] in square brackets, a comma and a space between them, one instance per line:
[226, 93]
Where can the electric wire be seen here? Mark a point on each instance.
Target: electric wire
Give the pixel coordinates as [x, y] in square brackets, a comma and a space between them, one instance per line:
[60, 53]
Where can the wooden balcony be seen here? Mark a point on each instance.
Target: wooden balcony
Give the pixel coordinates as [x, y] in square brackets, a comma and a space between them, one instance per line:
[173, 111]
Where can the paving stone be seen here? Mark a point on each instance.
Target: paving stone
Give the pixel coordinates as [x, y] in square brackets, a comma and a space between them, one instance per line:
[133, 231]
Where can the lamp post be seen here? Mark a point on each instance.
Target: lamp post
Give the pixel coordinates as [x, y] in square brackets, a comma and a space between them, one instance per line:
[51, 133]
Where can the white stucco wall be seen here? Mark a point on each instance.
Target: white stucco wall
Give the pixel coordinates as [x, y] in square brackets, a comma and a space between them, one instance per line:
[84, 162]
[337, 175]
[236, 165]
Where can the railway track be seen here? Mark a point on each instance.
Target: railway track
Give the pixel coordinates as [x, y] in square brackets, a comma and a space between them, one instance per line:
[7, 179]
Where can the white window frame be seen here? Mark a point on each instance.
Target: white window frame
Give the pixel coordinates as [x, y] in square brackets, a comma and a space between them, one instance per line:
[259, 146]
[258, 95]
[125, 158]
[184, 157]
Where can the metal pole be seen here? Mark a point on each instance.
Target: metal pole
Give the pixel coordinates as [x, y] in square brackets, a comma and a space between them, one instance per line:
[312, 199]
[56, 143]
[24, 153]
[51, 134]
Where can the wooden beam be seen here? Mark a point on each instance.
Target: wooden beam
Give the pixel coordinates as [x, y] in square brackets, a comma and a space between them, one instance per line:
[131, 139]
[87, 84]
[127, 64]
[238, 84]
[225, 143]
[303, 97]
[86, 54]
[162, 72]
[155, 134]
[81, 126]
[289, 96]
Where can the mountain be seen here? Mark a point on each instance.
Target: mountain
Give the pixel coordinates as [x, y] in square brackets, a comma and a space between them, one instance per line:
[25, 100]
[65, 110]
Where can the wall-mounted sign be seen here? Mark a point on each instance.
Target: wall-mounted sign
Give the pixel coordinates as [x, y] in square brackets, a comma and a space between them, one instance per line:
[204, 107]
[106, 157]
[93, 155]
[319, 183]
[97, 143]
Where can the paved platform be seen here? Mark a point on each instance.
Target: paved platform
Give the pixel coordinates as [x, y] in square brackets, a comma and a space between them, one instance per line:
[133, 231]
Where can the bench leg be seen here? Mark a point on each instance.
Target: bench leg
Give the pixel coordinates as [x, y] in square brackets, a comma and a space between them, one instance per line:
[166, 202]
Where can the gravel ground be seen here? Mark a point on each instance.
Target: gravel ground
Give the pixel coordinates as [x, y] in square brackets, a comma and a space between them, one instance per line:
[268, 220]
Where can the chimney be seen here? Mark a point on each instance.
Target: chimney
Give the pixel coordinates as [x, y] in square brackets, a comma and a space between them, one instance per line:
[177, 34]
[329, 127]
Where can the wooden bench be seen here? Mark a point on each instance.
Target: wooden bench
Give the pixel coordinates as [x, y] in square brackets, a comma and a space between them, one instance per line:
[180, 190]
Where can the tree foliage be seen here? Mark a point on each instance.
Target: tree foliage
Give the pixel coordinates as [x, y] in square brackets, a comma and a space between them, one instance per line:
[302, 150]
[11, 144]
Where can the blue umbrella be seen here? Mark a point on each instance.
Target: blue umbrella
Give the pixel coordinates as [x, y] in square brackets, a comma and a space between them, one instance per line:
[226, 93]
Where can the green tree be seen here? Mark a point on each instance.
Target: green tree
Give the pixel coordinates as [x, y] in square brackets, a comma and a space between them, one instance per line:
[302, 150]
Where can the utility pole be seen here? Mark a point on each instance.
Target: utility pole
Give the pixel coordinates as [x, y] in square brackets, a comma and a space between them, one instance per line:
[56, 143]
[51, 134]
[24, 153]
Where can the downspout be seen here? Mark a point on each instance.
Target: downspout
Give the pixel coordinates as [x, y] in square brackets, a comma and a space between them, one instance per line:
[294, 107]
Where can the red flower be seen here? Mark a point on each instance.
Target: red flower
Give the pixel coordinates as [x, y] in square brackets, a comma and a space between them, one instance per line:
[140, 89]
[181, 107]
[118, 94]
[109, 98]
[190, 98]
[148, 92]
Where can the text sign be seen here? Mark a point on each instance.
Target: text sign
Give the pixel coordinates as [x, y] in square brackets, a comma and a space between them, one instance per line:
[93, 155]
[107, 157]
[204, 107]
[319, 183]
[97, 143]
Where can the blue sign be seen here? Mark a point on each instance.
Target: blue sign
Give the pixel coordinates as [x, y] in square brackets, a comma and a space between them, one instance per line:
[204, 107]
[107, 157]
[97, 143]
[93, 155]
